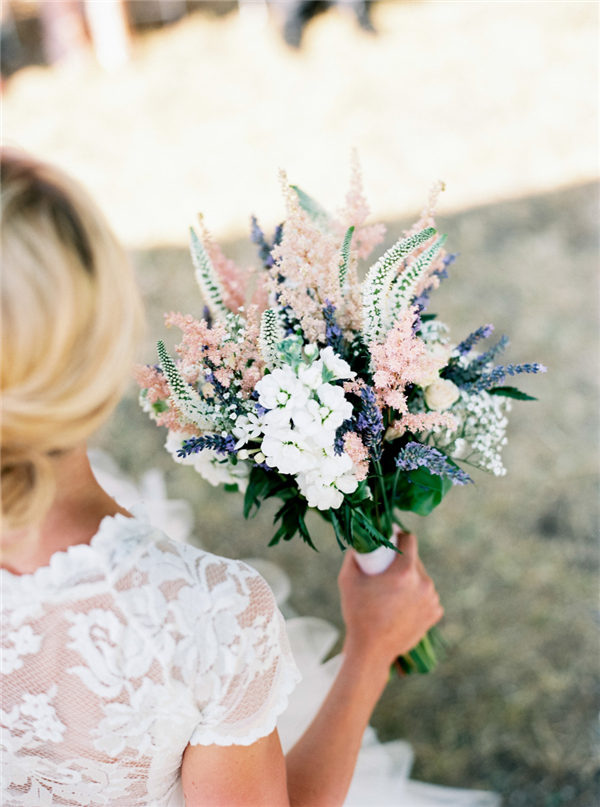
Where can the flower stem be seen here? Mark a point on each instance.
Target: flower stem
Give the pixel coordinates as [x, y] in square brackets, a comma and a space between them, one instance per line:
[386, 504]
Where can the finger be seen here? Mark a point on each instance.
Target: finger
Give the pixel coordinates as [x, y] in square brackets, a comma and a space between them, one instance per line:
[421, 568]
[349, 564]
[407, 544]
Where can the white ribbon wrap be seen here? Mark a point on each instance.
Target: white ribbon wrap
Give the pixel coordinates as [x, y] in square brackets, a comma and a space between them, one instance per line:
[377, 561]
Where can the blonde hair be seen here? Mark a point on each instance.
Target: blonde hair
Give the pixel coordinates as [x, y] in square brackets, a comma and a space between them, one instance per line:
[71, 318]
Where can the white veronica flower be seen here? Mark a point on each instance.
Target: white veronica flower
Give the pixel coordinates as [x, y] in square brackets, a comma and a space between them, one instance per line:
[335, 365]
[281, 389]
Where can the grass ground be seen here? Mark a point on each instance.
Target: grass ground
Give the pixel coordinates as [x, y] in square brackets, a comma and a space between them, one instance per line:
[514, 706]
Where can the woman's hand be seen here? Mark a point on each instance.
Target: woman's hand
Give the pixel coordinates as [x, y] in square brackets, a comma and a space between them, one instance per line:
[387, 614]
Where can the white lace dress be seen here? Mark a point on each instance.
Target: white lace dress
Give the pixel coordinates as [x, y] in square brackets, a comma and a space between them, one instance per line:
[119, 654]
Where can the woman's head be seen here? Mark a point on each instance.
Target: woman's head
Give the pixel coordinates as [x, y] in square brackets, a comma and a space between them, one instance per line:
[71, 317]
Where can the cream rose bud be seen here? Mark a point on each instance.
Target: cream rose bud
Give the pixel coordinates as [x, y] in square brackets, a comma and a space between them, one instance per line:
[440, 352]
[441, 394]
[426, 380]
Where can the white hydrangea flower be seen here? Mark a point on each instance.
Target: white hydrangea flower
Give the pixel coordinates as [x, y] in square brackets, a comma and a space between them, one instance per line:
[311, 375]
[281, 389]
[288, 451]
[319, 419]
[324, 486]
[318, 493]
[337, 366]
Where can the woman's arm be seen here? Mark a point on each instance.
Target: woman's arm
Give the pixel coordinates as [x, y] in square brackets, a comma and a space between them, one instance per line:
[385, 617]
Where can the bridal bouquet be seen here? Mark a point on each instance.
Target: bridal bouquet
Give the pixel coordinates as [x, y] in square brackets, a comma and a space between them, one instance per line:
[302, 383]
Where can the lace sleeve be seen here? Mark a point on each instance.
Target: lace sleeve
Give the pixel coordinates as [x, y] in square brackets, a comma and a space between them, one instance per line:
[232, 651]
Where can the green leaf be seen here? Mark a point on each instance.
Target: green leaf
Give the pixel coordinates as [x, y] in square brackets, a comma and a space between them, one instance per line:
[318, 214]
[428, 317]
[337, 528]
[421, 491]
[511, 392]
[372, 532]
[231, 488]
[303, 530]
[345, 257]
[257, 484]
[160, 406]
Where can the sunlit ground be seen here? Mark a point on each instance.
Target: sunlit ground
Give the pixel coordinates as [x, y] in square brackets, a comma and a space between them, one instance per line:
[500, 101]
[497, 99]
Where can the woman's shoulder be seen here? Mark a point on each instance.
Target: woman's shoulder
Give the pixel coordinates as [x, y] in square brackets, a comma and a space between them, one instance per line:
[139, 557]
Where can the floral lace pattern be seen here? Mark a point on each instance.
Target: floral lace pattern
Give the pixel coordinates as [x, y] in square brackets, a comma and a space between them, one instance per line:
[119, 654]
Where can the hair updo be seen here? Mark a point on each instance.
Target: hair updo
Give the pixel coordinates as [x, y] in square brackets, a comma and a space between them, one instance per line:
[71, 317]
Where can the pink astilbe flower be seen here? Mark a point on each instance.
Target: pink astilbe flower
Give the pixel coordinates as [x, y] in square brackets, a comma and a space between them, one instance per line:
[420, 422]
[358, 453]
[355, 386]
[260, 295]
[171, 420]
[402, 359]
[152, 381]
[427, 217]
[367, 238]
[356, 212]
[308, 259]
[199, 341]
[205, 349]
[233, 279]
[250, 365]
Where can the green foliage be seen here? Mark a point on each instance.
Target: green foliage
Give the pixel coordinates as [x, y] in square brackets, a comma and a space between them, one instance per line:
[511, 392]
[265, 484]
[160, 406]
[368, 536]
[345, 258]
[317, 213]
[420, 491]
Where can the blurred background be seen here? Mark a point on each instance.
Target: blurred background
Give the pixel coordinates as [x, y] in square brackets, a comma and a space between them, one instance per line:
[166, 108]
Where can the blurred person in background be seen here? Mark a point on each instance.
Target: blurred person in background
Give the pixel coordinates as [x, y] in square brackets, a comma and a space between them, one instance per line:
[298, 13]
[66, 24]
[140, 671]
